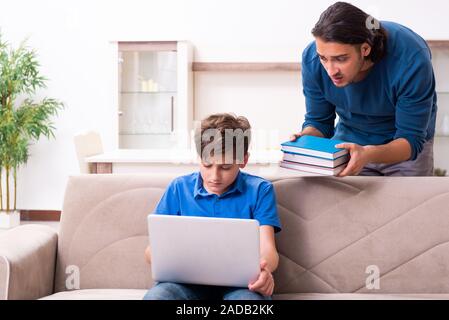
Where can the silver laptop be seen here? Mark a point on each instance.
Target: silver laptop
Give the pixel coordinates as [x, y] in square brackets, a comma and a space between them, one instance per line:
[200, 250]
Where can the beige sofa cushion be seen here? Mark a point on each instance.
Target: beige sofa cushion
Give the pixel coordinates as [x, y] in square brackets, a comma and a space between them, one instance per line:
[333, 229]
[98, 294]
[129, 294]
[27, 262]
[360, 296]
[103, 230]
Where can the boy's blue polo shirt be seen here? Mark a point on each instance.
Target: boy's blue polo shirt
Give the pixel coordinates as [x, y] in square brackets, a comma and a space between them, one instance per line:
[249, 197]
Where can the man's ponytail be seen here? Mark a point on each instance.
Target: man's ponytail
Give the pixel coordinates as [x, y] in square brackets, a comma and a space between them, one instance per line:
[378, 45]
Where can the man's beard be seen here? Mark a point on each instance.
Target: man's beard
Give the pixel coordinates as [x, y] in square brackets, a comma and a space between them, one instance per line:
[362, 63]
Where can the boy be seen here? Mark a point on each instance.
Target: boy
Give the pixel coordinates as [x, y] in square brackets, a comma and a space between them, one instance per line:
[220, 189]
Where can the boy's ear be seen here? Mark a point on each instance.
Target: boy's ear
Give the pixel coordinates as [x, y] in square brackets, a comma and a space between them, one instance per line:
[245, 161]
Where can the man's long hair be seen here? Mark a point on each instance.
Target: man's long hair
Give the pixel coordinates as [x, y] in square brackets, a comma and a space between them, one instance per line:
[344, 23]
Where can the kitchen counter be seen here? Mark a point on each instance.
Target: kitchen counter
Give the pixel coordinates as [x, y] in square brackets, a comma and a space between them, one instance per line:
[263, 163]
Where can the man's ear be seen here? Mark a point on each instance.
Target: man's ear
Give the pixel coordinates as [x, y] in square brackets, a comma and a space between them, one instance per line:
[366, 49]
[245, 161]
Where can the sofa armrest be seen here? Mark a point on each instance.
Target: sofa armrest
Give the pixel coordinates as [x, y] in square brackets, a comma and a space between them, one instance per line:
[27, 262]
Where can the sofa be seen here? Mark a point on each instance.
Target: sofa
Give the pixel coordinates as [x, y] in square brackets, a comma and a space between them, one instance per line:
[350, 238]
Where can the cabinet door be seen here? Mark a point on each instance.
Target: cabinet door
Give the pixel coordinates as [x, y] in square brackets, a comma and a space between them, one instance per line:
[147, 94]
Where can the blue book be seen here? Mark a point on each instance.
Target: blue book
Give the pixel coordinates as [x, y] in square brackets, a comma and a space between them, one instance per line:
[315, 147]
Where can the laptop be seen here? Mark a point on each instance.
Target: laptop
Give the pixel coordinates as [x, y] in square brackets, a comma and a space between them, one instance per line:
[202, 250]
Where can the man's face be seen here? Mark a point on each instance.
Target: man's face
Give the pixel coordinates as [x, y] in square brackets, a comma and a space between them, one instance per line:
[218, 176]
[343, 62]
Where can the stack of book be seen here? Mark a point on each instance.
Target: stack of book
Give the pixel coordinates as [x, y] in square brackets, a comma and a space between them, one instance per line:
[314, 154]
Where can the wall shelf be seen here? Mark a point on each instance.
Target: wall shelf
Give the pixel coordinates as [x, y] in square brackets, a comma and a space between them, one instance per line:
[245, 66]
[438, 43]
[148, 92]
[145, 134]
[272, 66]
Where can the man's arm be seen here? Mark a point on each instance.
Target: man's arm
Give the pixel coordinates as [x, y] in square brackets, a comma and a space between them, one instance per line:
[319, 119]
[307, 131]
[320, 114]
[415, 102]
[394, 152]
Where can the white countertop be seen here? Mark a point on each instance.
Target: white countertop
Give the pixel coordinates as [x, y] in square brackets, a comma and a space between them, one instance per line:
[172, 156]
[261, 163]
[140, 156]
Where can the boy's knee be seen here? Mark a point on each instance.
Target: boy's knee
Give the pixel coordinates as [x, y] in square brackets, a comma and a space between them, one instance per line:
[244, 294]
[167, 291]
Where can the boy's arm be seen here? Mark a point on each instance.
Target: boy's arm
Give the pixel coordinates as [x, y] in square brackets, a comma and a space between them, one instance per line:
[268, 250]
[269, 259]
[168, 204]
[148, 255]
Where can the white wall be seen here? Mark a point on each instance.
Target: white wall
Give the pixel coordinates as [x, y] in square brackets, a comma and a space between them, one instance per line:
[73, 42]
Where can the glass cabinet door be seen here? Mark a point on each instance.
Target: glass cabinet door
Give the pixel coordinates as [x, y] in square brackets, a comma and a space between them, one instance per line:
[147, 94]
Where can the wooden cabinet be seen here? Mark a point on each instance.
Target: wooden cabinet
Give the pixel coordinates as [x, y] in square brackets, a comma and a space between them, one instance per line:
[154, 94]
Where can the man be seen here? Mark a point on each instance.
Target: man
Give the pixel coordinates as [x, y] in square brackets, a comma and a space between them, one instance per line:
[378, 78]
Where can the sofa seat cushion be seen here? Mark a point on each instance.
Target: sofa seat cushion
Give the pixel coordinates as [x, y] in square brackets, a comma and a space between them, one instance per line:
[134, 294]
[98, 294]
[362, 296]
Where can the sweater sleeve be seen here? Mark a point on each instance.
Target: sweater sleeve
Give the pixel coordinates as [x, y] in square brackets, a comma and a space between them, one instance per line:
[320, 113]
[415, 92]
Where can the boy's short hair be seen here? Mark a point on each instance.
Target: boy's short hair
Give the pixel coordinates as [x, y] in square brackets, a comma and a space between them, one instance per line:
[225, 135]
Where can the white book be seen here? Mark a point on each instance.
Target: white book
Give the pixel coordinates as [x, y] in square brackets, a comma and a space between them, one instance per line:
[293, 157]
[312, 169]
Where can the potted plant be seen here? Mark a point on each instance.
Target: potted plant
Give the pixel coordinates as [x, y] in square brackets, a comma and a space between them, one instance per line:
[21, 122]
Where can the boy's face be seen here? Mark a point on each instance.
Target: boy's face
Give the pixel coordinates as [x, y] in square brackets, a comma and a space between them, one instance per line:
[218, 176]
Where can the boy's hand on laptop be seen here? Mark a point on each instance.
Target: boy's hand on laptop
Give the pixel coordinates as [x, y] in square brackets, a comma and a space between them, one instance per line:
[265, 282]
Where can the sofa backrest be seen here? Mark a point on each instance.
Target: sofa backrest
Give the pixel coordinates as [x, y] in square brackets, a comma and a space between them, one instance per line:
[104, 233]
[337, 233]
